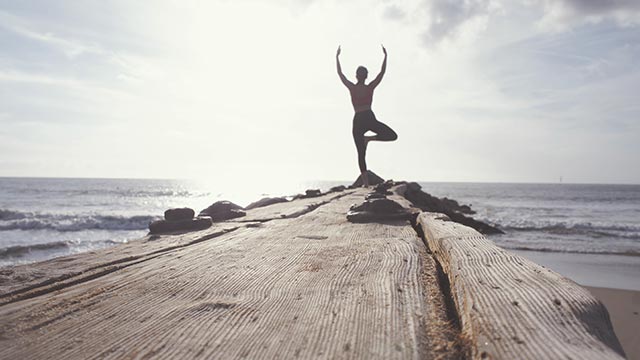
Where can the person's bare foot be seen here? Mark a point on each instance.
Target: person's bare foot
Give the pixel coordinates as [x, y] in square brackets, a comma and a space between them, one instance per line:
[365, 179]
[367, 139]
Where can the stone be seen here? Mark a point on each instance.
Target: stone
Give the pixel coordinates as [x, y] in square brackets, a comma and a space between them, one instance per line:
[383, 188]
[179, 214]
[338, 188]
[374, 195]
[373, 179]
[166, 226]
[265, 202]
[377, 210]
[312, 193]
[223, 210]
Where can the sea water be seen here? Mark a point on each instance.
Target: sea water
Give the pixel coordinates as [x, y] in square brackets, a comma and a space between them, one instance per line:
[42, 218]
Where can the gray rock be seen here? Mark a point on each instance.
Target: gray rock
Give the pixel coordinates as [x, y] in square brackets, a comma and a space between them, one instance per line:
[378, 209]
[165, 226]
[312, 193]
[374, 195]
[223, 210]
[373, 179]
[338, 188]
[179, 214]
[265, 202]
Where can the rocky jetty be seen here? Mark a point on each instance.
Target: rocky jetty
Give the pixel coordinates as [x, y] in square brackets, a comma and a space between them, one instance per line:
[223, 210]
[413, 192]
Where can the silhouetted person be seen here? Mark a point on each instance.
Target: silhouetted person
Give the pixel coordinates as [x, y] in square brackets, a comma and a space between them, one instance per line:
[364, 120]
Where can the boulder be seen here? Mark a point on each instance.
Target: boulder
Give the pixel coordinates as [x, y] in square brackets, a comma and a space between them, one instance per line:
[338, 188]
[383, 188]
[179, 214]
[373, 179]
[166, 226]
[312, 193]
[265, 202]
[378, 209]
[454, 205]
[223, 210]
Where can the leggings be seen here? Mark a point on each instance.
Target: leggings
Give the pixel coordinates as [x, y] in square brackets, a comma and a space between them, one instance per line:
[364, 121]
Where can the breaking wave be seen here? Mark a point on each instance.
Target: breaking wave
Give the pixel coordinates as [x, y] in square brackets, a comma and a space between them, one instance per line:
[21, 250]
[16, 220]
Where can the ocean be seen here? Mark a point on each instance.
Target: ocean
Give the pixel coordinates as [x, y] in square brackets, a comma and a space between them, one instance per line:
[42, 218]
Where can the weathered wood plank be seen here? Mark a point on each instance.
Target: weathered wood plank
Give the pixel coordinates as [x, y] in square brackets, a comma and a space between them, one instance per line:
[314, 286]
[512, 308]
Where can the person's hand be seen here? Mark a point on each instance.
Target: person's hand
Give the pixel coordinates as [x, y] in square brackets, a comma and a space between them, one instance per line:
[338, 52]
[384, 50]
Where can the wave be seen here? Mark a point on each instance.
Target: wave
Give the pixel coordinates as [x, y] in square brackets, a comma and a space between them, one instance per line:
[588, 229]
[15, 220]
[124, 193]
[21, 250]
[570, 251]
[12, 215]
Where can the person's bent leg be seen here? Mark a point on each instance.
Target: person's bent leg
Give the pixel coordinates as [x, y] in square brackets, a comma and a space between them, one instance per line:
[383, 132]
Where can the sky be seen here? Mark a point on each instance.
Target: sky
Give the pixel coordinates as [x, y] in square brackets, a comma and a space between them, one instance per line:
[477, 90]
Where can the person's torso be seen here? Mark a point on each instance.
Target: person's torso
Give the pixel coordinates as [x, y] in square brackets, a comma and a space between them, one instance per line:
[361, 97]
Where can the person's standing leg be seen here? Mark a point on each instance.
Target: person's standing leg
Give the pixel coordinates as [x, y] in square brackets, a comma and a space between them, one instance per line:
[361, 145]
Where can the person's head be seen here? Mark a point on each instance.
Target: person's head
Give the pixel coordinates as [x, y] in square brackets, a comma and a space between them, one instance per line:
[361, 73]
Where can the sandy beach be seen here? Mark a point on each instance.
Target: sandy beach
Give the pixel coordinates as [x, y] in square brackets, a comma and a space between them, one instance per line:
[624, 310]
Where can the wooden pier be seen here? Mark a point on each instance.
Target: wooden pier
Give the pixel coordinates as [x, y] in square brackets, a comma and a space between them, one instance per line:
[297, 280]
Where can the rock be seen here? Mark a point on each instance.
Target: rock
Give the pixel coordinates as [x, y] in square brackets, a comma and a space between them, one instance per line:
[374, 195]
[378, 209]
[383, 188]
[265, 202]
[380, 205]
[179, 214]
[465, 209]
[223, 210]
[312, 193]
[338, 188]
[373, 179]
[451, 208]
[166, 226]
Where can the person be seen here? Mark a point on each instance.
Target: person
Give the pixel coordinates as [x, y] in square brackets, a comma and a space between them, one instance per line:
[364, 119]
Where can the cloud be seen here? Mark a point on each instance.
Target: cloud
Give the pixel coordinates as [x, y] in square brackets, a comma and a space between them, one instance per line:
[564, 14]
[394, 12]
[446, 18]
[450, 19]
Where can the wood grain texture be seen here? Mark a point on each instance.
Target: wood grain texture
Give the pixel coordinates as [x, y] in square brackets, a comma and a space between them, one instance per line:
[311, 286]
[512, 308]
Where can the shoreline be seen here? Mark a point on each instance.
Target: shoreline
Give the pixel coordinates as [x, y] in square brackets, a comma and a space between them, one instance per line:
[591, 270]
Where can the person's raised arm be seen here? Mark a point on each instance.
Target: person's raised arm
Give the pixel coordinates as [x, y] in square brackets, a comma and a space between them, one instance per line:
[343, 78]
[378, 78]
